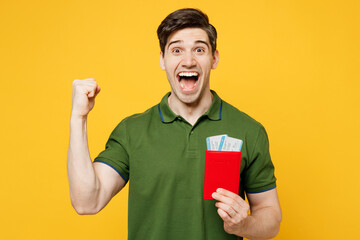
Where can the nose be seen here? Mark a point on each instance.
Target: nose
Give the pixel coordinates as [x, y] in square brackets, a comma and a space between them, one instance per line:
[188, 60]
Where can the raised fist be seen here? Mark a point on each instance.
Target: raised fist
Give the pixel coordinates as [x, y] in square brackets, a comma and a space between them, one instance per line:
[83, 97]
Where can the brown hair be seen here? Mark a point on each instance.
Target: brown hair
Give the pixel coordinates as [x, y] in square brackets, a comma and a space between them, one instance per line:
[186, 18]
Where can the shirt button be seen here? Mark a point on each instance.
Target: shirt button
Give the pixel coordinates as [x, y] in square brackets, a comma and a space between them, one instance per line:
[179, 118]
[191, 132]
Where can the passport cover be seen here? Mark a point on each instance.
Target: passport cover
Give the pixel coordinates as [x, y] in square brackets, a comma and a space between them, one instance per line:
[222, 170]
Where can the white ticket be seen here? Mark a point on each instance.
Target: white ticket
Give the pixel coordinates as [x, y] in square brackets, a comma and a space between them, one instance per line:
[213, 142]
[231, 144]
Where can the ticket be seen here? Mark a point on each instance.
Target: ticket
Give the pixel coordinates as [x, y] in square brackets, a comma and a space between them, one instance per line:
[213, 142]
[231, 144]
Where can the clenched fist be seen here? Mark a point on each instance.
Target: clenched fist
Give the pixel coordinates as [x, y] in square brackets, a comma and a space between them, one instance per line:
[83, 97]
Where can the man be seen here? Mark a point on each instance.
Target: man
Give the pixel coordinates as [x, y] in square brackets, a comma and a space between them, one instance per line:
[163, 149]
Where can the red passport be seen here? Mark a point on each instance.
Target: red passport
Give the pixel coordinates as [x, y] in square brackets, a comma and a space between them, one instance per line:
[222, 170]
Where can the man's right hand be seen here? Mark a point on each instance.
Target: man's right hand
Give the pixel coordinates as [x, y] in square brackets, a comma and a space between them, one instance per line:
[83, 96]
[92, 185]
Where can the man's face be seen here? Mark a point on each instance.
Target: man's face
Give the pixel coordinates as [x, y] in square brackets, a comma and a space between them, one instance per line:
[188, 61]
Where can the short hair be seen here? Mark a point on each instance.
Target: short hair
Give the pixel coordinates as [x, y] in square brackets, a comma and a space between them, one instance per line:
[186, 18]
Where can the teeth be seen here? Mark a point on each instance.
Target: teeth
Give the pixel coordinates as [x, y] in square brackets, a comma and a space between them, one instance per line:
[188, 74]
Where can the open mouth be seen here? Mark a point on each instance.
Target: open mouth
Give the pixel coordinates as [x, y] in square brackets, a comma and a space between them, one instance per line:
[188, 80]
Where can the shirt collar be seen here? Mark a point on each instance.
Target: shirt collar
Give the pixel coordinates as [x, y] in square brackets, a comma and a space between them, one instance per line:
[167, 115]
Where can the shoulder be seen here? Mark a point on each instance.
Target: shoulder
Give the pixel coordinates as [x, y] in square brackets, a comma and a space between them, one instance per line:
[234, 115]
[139, 120]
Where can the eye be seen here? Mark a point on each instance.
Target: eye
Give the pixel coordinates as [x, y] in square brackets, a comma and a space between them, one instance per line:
[200, 50]
[176, 50]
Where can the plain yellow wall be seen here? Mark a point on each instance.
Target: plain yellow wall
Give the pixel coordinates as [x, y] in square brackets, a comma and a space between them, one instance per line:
[292, 65]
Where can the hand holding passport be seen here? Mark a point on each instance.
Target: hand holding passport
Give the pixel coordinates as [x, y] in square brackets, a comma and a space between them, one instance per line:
[222, 164]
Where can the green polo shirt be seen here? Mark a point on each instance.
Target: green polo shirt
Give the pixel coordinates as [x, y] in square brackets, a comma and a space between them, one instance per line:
[163, 156]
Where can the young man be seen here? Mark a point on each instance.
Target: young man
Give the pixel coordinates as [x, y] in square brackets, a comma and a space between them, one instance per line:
[163, 149]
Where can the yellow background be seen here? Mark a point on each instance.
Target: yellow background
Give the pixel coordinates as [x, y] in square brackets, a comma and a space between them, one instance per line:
[292, 65]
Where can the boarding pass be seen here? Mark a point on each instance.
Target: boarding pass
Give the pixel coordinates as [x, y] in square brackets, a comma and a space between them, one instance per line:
[223, 143]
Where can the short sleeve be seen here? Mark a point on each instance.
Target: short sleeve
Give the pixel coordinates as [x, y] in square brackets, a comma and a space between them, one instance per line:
[115, 154]
[259, 175]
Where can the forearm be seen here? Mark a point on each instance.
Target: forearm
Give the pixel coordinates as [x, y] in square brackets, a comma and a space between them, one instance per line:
[264, 223]
[84, 185]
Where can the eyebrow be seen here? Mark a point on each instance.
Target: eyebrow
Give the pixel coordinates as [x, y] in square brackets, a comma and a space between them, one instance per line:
[203, 42]
[196, 42]
[173, 42]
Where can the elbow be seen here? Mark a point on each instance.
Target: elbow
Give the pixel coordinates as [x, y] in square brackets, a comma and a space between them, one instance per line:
[275, 232]
[84, 209]
[273, 228]
[276, 228]
[270, 234]
[85, 203]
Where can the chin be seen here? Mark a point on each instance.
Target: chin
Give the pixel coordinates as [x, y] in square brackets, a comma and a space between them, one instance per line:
[189, 98]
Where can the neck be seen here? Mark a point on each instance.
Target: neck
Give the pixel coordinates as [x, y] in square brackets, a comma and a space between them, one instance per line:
[193, 111]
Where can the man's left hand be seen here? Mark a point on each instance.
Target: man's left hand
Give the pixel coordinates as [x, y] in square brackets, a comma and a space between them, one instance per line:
[232, 209]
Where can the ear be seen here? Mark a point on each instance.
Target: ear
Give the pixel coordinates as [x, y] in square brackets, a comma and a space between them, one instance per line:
[215, 59]
[162, 63]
